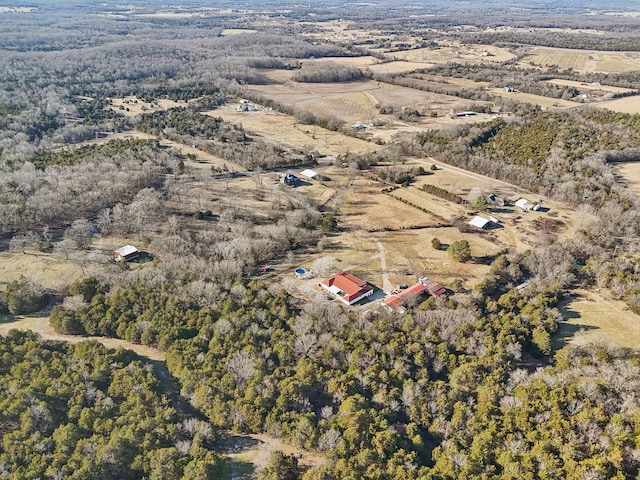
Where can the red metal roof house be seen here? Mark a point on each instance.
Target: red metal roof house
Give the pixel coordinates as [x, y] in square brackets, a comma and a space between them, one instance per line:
[347, 288]
[433, 288]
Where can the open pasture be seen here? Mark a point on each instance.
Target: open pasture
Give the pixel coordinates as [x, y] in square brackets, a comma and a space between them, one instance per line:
[622, 105]
[599, 319]
[366, 207]
[285, 129]
[359, 102]
[582, 60]
[629, 174]
[455, 53]
[445, 83]
[590, 87]
[542, 101]
[131, 106]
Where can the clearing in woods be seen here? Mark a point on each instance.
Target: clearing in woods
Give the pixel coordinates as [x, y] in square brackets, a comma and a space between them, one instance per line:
[543, 102]
[456, 53]
[598, 319]
[285, 129]
[360, 102]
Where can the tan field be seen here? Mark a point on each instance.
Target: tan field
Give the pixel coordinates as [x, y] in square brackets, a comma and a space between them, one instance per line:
[622, 105]
[48, 270]
[599, 319]
[630, 173]
[285, 129]
[359, 102]
[583, 60]
[591, 87]
[397, 67]
[236, 31]
[132, 106]
[544, 102]
[469, 54]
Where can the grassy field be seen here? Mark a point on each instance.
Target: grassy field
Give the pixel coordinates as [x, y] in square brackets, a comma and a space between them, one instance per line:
[455, 53]
[131, 106]
[597, 318]
[359, 102]
[591, 87]
[623, 105]
[285, 129]
[544, 102]
[583, 60]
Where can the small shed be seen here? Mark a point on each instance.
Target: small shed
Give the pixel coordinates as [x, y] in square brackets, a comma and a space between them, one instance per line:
[126, 253]
[309, 173]
[481, 222]
[526, 205]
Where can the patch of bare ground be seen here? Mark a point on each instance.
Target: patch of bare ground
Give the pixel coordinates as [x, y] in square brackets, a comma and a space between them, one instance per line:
[255, 449]
[548, 225]
[593, 316]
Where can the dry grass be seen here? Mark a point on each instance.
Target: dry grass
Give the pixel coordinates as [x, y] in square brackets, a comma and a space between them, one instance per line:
[599, 319]
[366, 208]
[544, 102]
[48, 270]
[132, 106]
[475, 54]
[583, 60]
[591, 87]
[622, 105]
[227, 32]
[285, 129]
[359, 102]
[630, 173]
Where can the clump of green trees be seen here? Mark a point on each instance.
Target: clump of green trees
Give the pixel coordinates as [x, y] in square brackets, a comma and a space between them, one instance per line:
[81, 411]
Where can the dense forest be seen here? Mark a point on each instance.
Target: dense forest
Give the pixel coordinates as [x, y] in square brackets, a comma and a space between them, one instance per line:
[468, 386]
